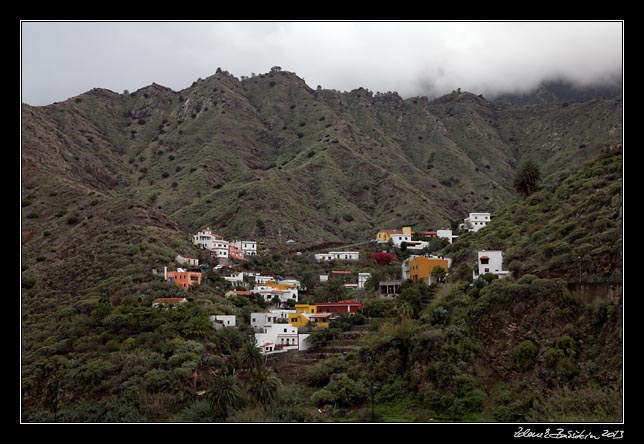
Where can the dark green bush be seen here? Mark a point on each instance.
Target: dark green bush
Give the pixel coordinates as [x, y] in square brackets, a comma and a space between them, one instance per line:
[525, 355]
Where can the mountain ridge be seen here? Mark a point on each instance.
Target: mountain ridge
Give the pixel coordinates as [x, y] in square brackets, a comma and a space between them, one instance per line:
[443, 157]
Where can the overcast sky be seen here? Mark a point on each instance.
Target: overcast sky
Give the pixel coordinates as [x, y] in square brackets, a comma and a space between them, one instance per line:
[61, 60]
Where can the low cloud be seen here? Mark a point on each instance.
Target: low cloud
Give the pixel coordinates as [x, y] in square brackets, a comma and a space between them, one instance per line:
[61, 60]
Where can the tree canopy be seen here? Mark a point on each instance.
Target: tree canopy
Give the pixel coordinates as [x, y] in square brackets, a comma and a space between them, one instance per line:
[527, 178]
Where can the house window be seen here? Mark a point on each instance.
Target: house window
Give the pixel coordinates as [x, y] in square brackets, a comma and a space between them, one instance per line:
[485, 260]
[487, 270]
[284, 330]
[254, 320]
[293, 319]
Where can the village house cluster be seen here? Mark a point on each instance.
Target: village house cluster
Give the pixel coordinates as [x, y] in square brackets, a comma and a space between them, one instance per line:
[277, 329]
[222, 249]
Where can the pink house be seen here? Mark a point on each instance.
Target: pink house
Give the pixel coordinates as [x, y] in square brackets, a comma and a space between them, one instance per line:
[235, 253]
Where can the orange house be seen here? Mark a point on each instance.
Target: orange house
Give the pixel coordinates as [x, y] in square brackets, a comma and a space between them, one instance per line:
[421, 267]
[184, 279]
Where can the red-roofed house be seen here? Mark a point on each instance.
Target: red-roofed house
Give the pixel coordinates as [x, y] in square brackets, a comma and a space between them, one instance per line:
[350, 306]
[343, 275]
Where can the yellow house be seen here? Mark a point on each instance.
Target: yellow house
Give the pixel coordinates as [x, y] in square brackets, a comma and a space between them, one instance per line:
[277, 286]
[314, 319]
[297, 320]
[306, 308]
[383, 236]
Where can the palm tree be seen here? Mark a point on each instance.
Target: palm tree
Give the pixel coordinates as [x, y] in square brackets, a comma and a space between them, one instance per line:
[225, 396]
[373, 283]
[263, 385]
[250, 356]
[405, 311]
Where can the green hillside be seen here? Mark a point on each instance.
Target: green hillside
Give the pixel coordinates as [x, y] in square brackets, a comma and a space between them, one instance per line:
[575, 228]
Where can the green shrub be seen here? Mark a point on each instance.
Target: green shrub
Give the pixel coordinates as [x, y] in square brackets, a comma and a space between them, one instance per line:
[525, 355]
[319, 375]
[323, 397]
[71, 220]
[28, 282]
[550, 357]
[566, 344]
[566, 369]
[347, 391]
[440, 316]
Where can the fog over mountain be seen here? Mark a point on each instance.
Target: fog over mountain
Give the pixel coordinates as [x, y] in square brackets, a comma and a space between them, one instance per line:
[61, 60]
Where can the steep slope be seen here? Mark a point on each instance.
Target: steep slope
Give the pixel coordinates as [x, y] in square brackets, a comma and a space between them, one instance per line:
[573, 231]
[539, 346]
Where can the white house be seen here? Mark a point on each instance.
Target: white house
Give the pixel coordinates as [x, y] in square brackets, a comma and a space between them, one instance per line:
[248, 247]
[399, 238]
[187, 260]
[268, 293]
[263, 279]
[219, 321]
[490, 261]
[362, 279]
[283, 336]
[417, 245]
[324, 277]
[206, 239]
[235, 277]
[476, 221]
[446, 234]
[259, 320]
[338, 255]
[219, 248]
[405, 268]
